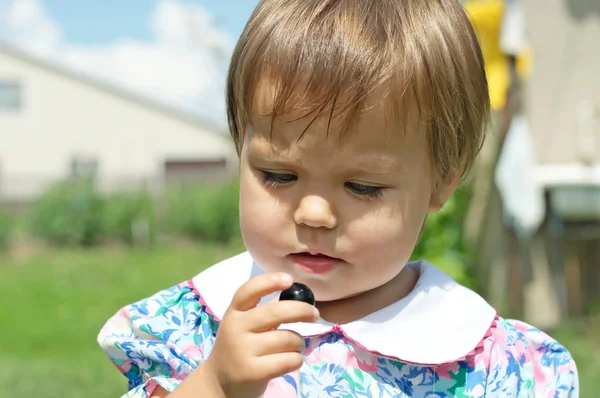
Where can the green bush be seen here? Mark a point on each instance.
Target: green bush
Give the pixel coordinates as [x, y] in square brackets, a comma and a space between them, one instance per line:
[442, 241]
[207, 213]
[226, 213]
[69, 213]
[124, 213]
[6, 229]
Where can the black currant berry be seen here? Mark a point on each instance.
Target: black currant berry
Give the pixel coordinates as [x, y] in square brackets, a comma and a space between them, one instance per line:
[298, 292]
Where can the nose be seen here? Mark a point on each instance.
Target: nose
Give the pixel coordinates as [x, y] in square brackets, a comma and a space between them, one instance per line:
[315, 212]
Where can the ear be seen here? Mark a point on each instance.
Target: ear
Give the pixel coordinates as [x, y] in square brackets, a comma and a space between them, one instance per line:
[443, 191]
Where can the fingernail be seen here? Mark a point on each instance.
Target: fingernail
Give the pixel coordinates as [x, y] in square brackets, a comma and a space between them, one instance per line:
[286, 278]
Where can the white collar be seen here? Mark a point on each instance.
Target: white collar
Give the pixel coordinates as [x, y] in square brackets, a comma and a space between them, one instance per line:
[440, 321]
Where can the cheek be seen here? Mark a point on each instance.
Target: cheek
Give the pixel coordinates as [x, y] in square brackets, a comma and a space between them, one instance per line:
[392, 232]
[260, 214]
[376, 235]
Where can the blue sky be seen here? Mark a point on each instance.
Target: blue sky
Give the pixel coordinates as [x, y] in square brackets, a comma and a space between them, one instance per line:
[92, 22]
[173, 51]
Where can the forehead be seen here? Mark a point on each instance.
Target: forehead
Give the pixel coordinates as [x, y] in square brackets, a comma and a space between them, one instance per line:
[306, 117]
[310, 120]
[372, 143]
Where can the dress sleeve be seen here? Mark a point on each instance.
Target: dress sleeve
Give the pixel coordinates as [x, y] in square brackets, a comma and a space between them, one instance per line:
[159, 340]
[524, 361]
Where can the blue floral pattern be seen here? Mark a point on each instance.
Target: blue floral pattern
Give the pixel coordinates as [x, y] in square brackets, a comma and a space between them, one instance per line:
[160, 340]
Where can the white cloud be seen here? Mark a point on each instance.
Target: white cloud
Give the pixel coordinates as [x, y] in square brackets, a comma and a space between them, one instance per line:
[183, 66]
[28, 26]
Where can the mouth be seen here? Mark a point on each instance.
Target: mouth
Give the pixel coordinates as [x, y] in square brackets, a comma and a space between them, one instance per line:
[314, 262]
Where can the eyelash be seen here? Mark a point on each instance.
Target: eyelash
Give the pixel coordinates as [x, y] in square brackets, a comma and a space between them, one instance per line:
[365, 190]
[276, 179]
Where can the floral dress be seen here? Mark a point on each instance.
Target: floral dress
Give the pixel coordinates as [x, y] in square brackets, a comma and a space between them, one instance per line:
[442, 340]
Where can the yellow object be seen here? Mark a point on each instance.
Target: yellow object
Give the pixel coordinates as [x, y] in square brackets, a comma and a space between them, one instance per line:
[486, 17]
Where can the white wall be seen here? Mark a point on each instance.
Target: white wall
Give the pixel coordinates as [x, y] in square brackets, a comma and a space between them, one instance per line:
[62, 117]
[565, 38]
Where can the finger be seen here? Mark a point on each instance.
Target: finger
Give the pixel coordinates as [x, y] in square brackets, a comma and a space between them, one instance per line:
[278, 341]
[273, 314]
[277, 365]
[251, 292]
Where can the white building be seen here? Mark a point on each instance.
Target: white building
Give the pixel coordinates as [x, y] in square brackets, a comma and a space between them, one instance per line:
[563, 109]
[545, 268]
[55, 123]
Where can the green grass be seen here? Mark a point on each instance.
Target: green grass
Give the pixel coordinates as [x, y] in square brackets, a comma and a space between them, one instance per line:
[54, 304]
[583, 342]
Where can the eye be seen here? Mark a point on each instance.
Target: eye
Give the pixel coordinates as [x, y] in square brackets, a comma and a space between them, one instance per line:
[364, 190]
[274, 179]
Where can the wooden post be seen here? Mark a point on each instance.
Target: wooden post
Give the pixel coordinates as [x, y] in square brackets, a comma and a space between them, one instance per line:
[516, 253]
[573, 279]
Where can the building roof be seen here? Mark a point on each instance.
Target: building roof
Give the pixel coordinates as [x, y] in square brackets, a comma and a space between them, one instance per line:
[111, 89]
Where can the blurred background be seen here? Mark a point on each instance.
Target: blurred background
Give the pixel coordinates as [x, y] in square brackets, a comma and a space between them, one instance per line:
[118, 177]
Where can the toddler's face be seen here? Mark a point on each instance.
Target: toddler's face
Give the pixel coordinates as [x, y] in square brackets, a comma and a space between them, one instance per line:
[361, 200]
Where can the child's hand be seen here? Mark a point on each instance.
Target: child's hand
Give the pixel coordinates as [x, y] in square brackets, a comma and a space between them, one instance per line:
[249, 350]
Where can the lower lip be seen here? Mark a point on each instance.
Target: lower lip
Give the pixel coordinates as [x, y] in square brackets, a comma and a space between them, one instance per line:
[315, 264]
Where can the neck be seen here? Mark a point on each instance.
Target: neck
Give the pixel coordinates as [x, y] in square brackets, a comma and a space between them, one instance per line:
[350, 309]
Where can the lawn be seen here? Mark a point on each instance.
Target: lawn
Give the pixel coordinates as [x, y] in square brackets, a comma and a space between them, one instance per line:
[55, 302]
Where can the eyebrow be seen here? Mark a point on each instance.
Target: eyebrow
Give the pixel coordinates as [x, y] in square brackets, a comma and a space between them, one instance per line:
[270, 158]
[382, 166]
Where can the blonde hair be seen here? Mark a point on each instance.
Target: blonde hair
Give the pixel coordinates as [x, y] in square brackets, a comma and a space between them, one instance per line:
[322, 55]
